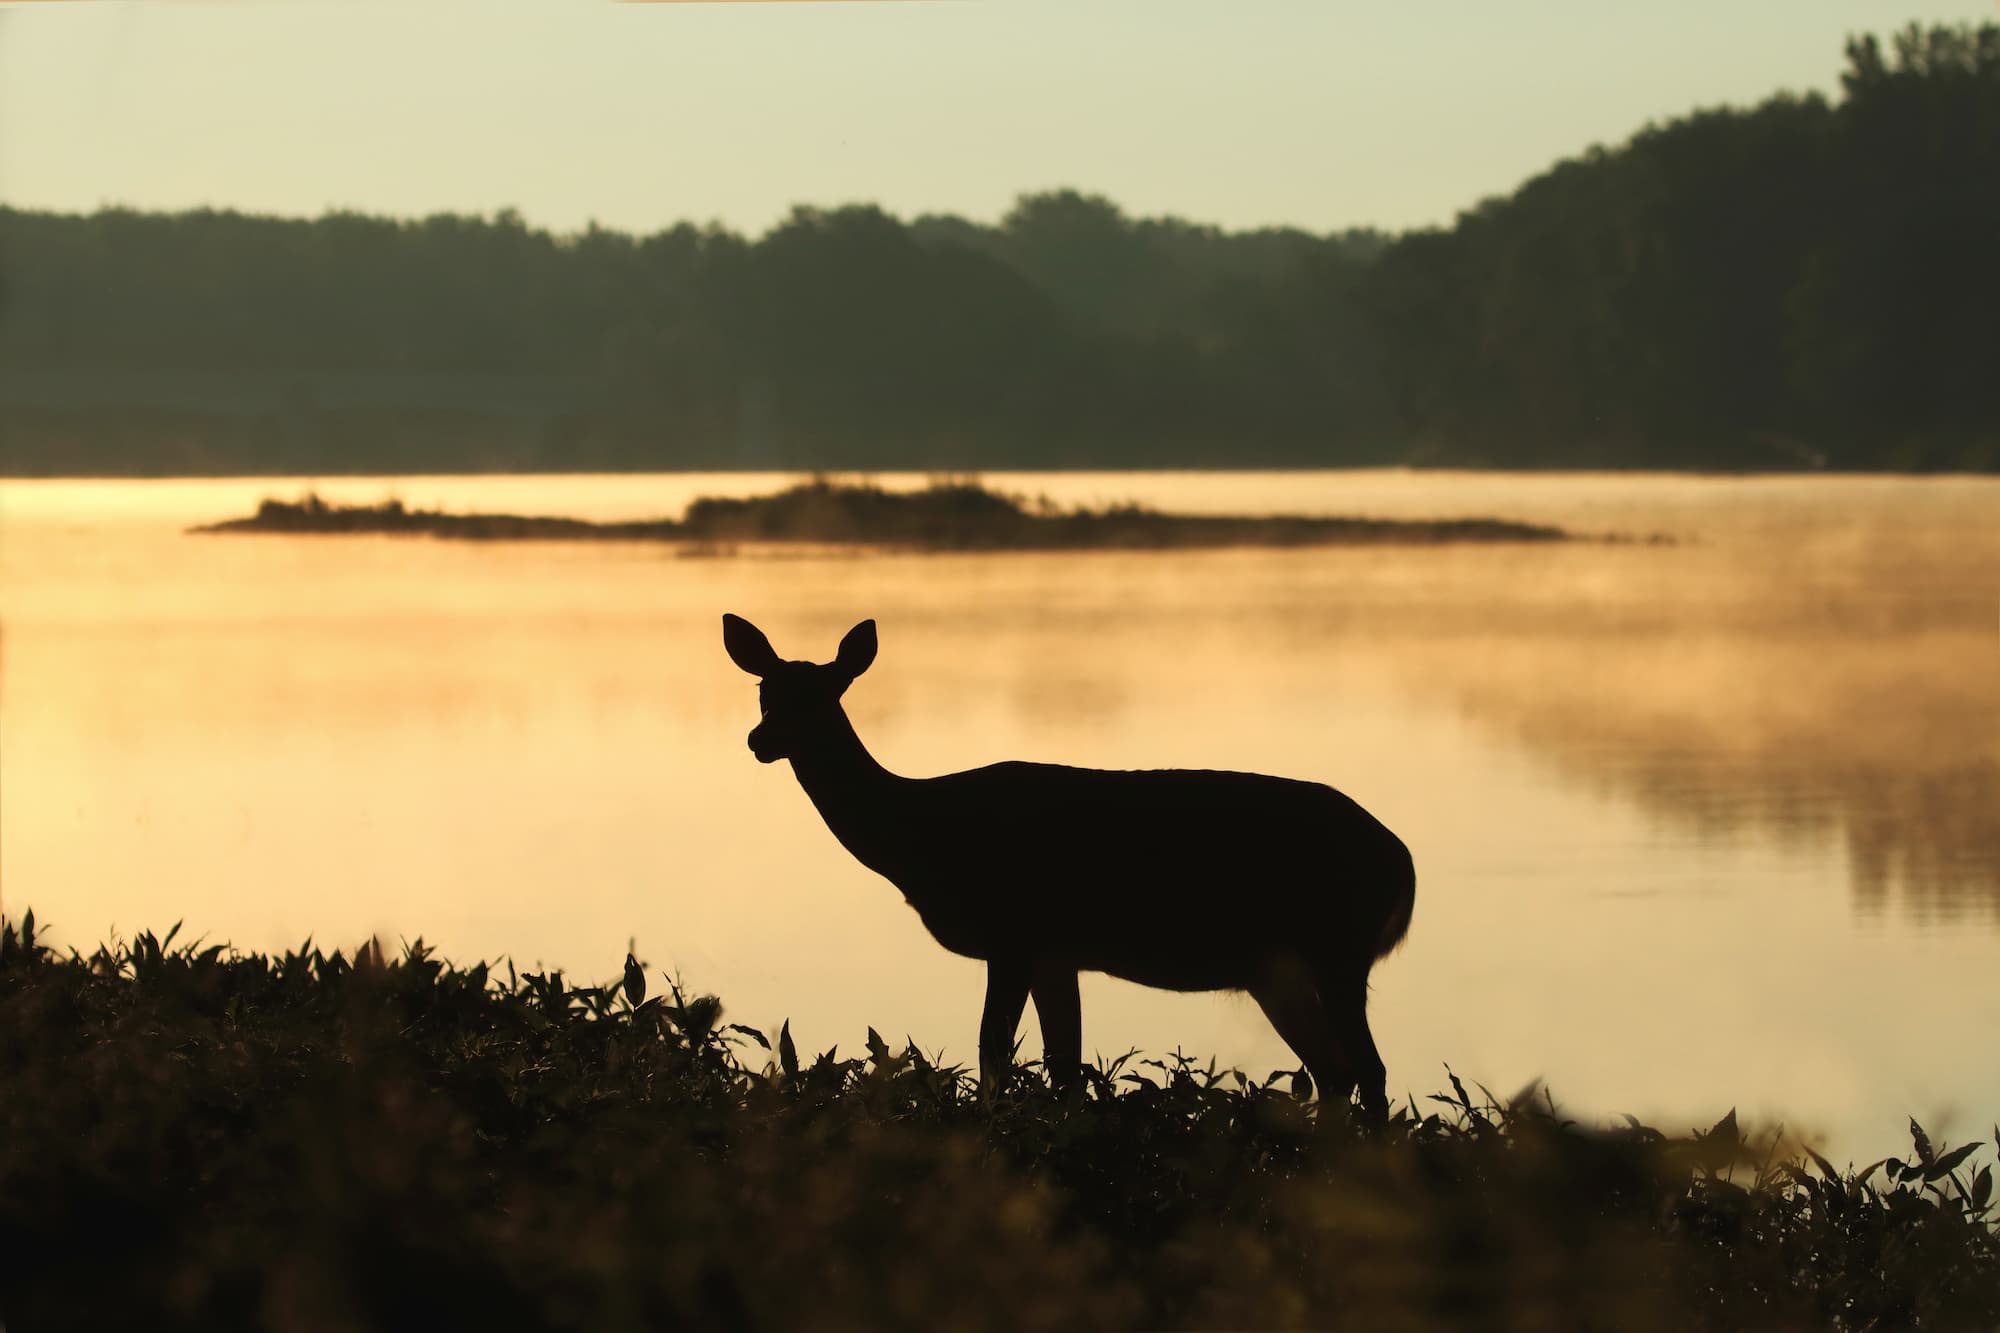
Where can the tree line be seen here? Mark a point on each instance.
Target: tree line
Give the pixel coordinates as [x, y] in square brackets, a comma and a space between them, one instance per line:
[1805, 282]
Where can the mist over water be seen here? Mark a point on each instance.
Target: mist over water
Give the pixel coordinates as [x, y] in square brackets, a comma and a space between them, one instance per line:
[1696, 825]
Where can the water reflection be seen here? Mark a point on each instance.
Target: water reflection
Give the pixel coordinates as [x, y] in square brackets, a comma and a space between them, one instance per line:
[1819, 659]
[1771, 753]
[1888, 745]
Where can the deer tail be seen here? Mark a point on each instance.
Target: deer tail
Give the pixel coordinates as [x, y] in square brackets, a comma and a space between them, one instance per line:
[1402, 903]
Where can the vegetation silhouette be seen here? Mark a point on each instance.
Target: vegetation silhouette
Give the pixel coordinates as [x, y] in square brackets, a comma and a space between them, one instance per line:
[317, 1140]
[947, 515]
[1802, 283]
[1183, 879]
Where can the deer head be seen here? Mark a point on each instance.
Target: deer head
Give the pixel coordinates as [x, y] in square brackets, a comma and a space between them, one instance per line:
[800, 701]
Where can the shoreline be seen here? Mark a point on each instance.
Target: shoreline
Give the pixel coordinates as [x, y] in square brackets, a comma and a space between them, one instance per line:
[530, 1147]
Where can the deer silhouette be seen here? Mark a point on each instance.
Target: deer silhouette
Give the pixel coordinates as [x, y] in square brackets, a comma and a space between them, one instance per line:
[1183, 879]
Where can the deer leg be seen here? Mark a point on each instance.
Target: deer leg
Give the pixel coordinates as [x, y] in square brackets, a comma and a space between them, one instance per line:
[1346, 993]
[1006, 996]
[1061, 1014]
[1293, 1004]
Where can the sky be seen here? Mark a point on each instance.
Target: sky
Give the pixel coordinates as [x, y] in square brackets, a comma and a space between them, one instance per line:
[1312, 113]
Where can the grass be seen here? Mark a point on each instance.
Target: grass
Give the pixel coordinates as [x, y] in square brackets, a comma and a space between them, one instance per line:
[948, 515]
[192, 1137]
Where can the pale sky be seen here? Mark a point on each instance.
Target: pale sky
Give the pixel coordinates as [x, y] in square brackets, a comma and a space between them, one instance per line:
[1314, 113]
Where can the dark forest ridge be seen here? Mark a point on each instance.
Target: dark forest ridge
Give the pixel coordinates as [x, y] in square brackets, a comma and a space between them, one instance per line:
[946, 516]
[1804, 283]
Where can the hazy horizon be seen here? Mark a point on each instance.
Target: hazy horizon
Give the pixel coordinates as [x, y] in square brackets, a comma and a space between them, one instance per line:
[637, 117]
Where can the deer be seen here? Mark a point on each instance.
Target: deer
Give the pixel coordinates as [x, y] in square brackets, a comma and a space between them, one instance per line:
[1182, 879]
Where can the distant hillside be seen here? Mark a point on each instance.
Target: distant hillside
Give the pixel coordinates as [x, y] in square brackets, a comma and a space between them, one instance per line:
[1798, 284]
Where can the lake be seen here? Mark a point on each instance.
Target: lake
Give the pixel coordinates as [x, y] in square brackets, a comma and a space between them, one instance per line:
[1699, 825]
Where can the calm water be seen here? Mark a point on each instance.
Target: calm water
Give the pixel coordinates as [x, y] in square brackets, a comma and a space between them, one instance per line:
[1696, 826]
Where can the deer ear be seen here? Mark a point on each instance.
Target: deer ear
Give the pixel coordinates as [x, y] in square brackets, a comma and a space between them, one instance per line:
[748, 647]
[857, 650]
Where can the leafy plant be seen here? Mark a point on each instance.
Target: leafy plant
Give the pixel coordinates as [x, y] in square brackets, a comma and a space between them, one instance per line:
[196, 1137]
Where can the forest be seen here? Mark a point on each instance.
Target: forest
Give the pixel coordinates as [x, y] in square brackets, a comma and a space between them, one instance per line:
[1806, 283]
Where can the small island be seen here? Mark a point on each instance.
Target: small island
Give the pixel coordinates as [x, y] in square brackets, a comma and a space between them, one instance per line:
[949, 515]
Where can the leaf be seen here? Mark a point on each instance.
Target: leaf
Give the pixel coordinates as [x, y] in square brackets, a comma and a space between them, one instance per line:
[1922, 1140]
[752, 1033]
[703, 1012]
[635, 982]
[1825, 1167]
[878, 1050]
[1721, 1146]
[1943, 1166]
[1982, 1188]
[788, 1054]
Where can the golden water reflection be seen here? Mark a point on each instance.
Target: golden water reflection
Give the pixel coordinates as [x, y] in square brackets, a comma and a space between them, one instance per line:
[1887, 743]
[1653, 790]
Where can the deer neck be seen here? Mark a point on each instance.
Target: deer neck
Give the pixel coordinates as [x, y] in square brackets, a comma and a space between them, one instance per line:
[857, 797]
